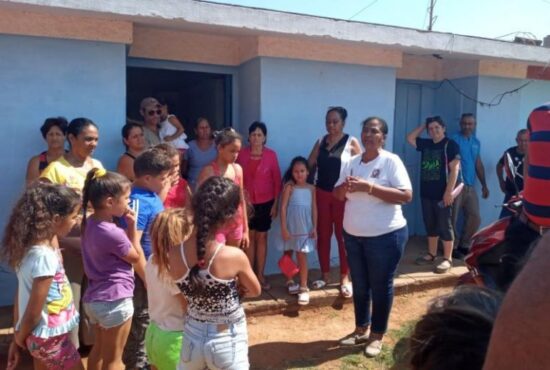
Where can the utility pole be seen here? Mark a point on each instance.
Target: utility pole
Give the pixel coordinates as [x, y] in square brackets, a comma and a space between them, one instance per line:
[432, 17]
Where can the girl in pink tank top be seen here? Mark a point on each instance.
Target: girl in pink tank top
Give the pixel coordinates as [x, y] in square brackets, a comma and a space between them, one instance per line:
[228, 143]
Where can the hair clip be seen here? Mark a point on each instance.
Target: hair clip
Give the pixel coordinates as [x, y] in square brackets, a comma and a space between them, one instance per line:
[100, 172]
[201, 263]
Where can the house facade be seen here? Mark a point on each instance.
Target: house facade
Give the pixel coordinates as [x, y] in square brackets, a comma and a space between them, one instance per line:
[235, 65]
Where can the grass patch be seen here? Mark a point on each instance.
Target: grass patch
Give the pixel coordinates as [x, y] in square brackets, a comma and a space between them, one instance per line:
[393, 355]
[354, 361]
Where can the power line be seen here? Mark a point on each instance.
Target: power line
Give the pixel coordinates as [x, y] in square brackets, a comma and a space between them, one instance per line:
[497, 99]
[362, 10]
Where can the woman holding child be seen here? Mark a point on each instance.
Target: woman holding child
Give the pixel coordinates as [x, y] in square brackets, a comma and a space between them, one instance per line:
[374, 184]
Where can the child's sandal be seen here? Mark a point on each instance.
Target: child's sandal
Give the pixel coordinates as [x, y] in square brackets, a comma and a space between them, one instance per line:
[303, 297]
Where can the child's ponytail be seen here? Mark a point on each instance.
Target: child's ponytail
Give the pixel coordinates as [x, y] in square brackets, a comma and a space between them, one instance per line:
[100, 184]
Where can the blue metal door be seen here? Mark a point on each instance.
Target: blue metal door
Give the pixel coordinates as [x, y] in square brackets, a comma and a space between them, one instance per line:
[413, 102]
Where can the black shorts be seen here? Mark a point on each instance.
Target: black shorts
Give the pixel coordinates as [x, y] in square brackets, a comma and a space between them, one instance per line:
[437, 220]
[261, 219]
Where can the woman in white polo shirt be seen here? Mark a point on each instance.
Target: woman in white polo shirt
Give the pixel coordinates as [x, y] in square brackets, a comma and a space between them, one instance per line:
[375, 184]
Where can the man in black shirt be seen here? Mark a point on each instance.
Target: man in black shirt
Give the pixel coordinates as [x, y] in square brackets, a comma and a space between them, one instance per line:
[512, 164]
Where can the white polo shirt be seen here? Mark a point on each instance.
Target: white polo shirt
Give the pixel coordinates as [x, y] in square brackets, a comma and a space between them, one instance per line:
[366, 215]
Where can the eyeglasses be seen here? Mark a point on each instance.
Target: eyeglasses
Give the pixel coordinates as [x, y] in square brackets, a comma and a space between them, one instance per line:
[153, 112]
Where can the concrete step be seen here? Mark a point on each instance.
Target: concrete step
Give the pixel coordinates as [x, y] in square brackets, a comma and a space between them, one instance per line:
[409, 278]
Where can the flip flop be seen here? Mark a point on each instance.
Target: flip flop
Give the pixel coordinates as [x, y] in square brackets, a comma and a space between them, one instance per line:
[346, 290]
[319, 284]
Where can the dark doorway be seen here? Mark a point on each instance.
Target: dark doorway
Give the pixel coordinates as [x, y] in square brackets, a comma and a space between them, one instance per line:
[190, 95]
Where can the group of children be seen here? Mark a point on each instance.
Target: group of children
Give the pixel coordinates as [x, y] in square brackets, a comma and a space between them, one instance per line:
[148, 291]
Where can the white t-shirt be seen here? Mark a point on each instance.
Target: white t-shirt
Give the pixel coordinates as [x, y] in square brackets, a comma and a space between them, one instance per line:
[366, 215]
[58, 315]
[164, 305]
[167, 129]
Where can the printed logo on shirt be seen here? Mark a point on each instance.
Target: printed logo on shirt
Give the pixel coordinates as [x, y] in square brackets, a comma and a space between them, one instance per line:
[375, 173]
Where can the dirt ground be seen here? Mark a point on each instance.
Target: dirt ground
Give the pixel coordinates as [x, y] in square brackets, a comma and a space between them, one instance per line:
[308, 339]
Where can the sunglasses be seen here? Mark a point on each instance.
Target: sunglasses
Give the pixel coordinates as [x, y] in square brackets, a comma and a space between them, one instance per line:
[153, 112]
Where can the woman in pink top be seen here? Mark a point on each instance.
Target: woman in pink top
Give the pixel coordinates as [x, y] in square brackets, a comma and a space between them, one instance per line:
[228, 142]
[262, 183]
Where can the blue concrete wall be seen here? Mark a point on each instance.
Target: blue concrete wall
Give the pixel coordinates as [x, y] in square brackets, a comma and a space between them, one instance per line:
[43, 77]
[534, 95]
[449, 104]
[497, 127]
[295, 96]
[248, 85]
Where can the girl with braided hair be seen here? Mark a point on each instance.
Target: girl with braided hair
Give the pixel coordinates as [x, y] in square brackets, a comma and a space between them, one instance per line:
[213, 277]
[44, 309]
[228, 142]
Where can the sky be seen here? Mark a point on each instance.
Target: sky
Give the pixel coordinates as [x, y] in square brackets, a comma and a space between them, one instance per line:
[485, 18]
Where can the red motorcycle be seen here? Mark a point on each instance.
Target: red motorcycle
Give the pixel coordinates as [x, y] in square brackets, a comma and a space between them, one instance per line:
[498, 251]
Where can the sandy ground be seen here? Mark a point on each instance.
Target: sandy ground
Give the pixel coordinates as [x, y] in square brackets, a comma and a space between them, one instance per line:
[307, 339]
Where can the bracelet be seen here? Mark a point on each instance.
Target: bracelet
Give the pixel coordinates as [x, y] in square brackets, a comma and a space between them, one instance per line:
[370, 188]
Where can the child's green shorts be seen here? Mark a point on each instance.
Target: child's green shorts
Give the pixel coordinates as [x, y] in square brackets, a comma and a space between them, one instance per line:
[163, 347]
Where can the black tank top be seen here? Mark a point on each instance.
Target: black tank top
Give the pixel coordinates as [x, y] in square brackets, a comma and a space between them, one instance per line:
[130, 155]
[329, 163]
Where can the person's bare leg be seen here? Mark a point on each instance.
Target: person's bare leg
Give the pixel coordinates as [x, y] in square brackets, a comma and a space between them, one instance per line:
[344, 279]
[94, 358]
[432, 245]
[38, 365]
[302, 264]
[112, 346]
[447, 249]
[261, 253]
[251, 251]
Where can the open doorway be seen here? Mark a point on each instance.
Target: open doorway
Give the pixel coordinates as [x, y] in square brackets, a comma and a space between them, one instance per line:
[190, 95]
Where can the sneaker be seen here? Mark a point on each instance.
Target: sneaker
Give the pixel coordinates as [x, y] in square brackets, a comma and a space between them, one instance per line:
[374, 348]
[443, 267]
[426, 259]
[303, 297]
[354, 339]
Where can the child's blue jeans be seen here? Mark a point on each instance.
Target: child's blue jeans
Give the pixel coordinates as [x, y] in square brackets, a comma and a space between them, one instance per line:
[214, 346]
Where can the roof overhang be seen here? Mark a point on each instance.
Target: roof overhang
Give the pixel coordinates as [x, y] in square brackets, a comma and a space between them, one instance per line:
[231, 20]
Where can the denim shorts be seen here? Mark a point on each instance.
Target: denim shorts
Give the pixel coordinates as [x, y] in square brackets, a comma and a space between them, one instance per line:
[109, 314]
[214, 346]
